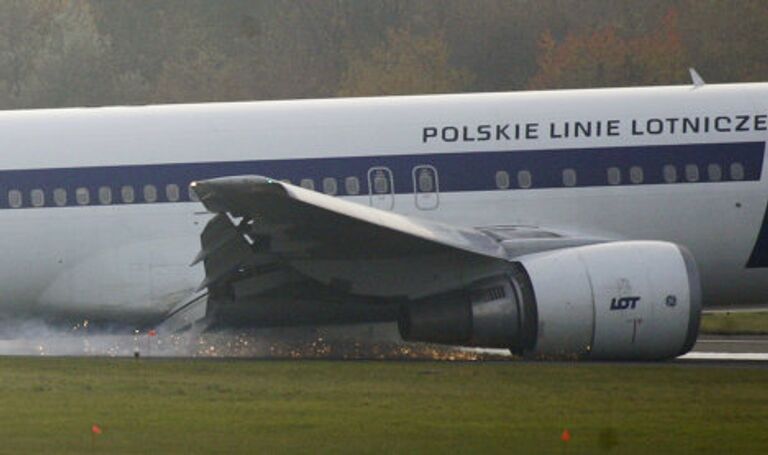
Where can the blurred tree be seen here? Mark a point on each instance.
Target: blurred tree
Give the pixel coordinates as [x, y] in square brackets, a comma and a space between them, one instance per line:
[727, 39]
[52, 54]
[604, 58]
[195, 65]
[68, 62]
[404, 64]
[89, 52]
[23, 30]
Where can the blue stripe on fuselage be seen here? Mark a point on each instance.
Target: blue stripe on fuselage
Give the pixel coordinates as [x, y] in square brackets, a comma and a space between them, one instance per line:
[465, 171]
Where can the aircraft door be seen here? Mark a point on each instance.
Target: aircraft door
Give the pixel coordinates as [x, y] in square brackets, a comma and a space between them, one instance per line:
[381, 188]
[426, 187]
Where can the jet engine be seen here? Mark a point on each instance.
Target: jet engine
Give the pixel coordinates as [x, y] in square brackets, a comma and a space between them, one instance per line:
[634, 300]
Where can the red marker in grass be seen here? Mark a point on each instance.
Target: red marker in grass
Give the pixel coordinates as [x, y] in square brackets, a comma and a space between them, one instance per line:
[95, 431]
[151, 333]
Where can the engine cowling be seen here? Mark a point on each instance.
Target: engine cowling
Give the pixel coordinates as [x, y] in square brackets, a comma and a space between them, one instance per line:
[622, 300]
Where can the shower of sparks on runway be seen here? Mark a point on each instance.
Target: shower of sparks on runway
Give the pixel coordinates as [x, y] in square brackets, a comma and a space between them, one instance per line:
[80, 341]
[338, 343]
[218, 345]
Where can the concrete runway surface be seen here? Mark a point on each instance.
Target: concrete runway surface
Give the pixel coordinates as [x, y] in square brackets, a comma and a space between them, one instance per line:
[725, 350]
[715, 349]
[729, 348]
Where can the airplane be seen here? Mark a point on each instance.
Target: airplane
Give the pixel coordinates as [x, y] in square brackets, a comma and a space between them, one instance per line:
[589, 224]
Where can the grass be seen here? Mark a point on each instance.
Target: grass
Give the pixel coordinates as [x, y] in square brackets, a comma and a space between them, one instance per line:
[47, 405]
[735, 323]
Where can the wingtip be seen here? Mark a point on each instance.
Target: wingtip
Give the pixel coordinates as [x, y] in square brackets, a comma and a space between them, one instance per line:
[216, 194]
[233, 182]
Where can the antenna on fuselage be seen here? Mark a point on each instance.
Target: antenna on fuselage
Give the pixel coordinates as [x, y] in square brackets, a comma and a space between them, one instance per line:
[698, 81]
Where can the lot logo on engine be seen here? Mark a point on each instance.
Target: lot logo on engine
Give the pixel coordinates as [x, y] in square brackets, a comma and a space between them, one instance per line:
[624, 303]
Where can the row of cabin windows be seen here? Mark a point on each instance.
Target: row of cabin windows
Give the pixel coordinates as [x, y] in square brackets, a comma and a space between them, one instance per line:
[330, 185]
[380, 183]
[380, 180]
[691, 173]
[104, 196]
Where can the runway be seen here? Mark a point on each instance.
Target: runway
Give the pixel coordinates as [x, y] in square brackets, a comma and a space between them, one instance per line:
[729, 348]
[709, 349]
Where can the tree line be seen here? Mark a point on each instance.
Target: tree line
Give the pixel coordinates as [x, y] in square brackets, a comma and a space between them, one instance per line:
[102, 52]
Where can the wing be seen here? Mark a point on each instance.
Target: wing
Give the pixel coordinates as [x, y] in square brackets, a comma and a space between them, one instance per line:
[268, 234]
[333, 228]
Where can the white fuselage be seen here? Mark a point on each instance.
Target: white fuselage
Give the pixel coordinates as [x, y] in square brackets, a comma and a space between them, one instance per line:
[120, 260]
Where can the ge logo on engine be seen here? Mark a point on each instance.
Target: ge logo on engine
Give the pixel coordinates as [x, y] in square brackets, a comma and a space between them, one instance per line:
[624, 303]
[671, 301]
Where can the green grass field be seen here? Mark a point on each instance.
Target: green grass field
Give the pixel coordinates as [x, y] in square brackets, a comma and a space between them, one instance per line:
[48, 405]
[735, 323]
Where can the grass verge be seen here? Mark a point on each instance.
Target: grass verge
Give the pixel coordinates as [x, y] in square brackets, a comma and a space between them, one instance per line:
[735, 323]
[48, 405]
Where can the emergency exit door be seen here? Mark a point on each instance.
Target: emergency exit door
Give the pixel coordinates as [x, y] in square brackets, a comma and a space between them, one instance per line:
[426, 187]
[381, 188]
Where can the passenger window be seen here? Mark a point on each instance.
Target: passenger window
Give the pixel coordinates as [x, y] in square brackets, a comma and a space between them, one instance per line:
[426, 181]
[150, 193]
[192, 195]
[737, 171]
[127, 194]
[105, 195]
[380, 183]
[692, 172]
[569, 177]
[614, 176]
[636, 175]
[352, 185]
[670, 173]
[308, 184]
[60, 197]
[37, 198]
[714, 172]
[14, 198]
[83, 196]
[172, 192]
[330, 186]
[524, 179]
[502, 180]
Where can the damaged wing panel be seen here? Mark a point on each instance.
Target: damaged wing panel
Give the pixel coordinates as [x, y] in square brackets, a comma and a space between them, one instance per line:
[226, 252]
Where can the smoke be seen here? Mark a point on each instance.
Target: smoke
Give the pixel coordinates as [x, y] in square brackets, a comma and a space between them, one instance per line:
[363, 342]
[35, 337]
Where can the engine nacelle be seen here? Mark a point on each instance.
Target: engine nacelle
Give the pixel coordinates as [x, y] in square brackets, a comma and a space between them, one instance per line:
[488, 314]
[620, 300]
